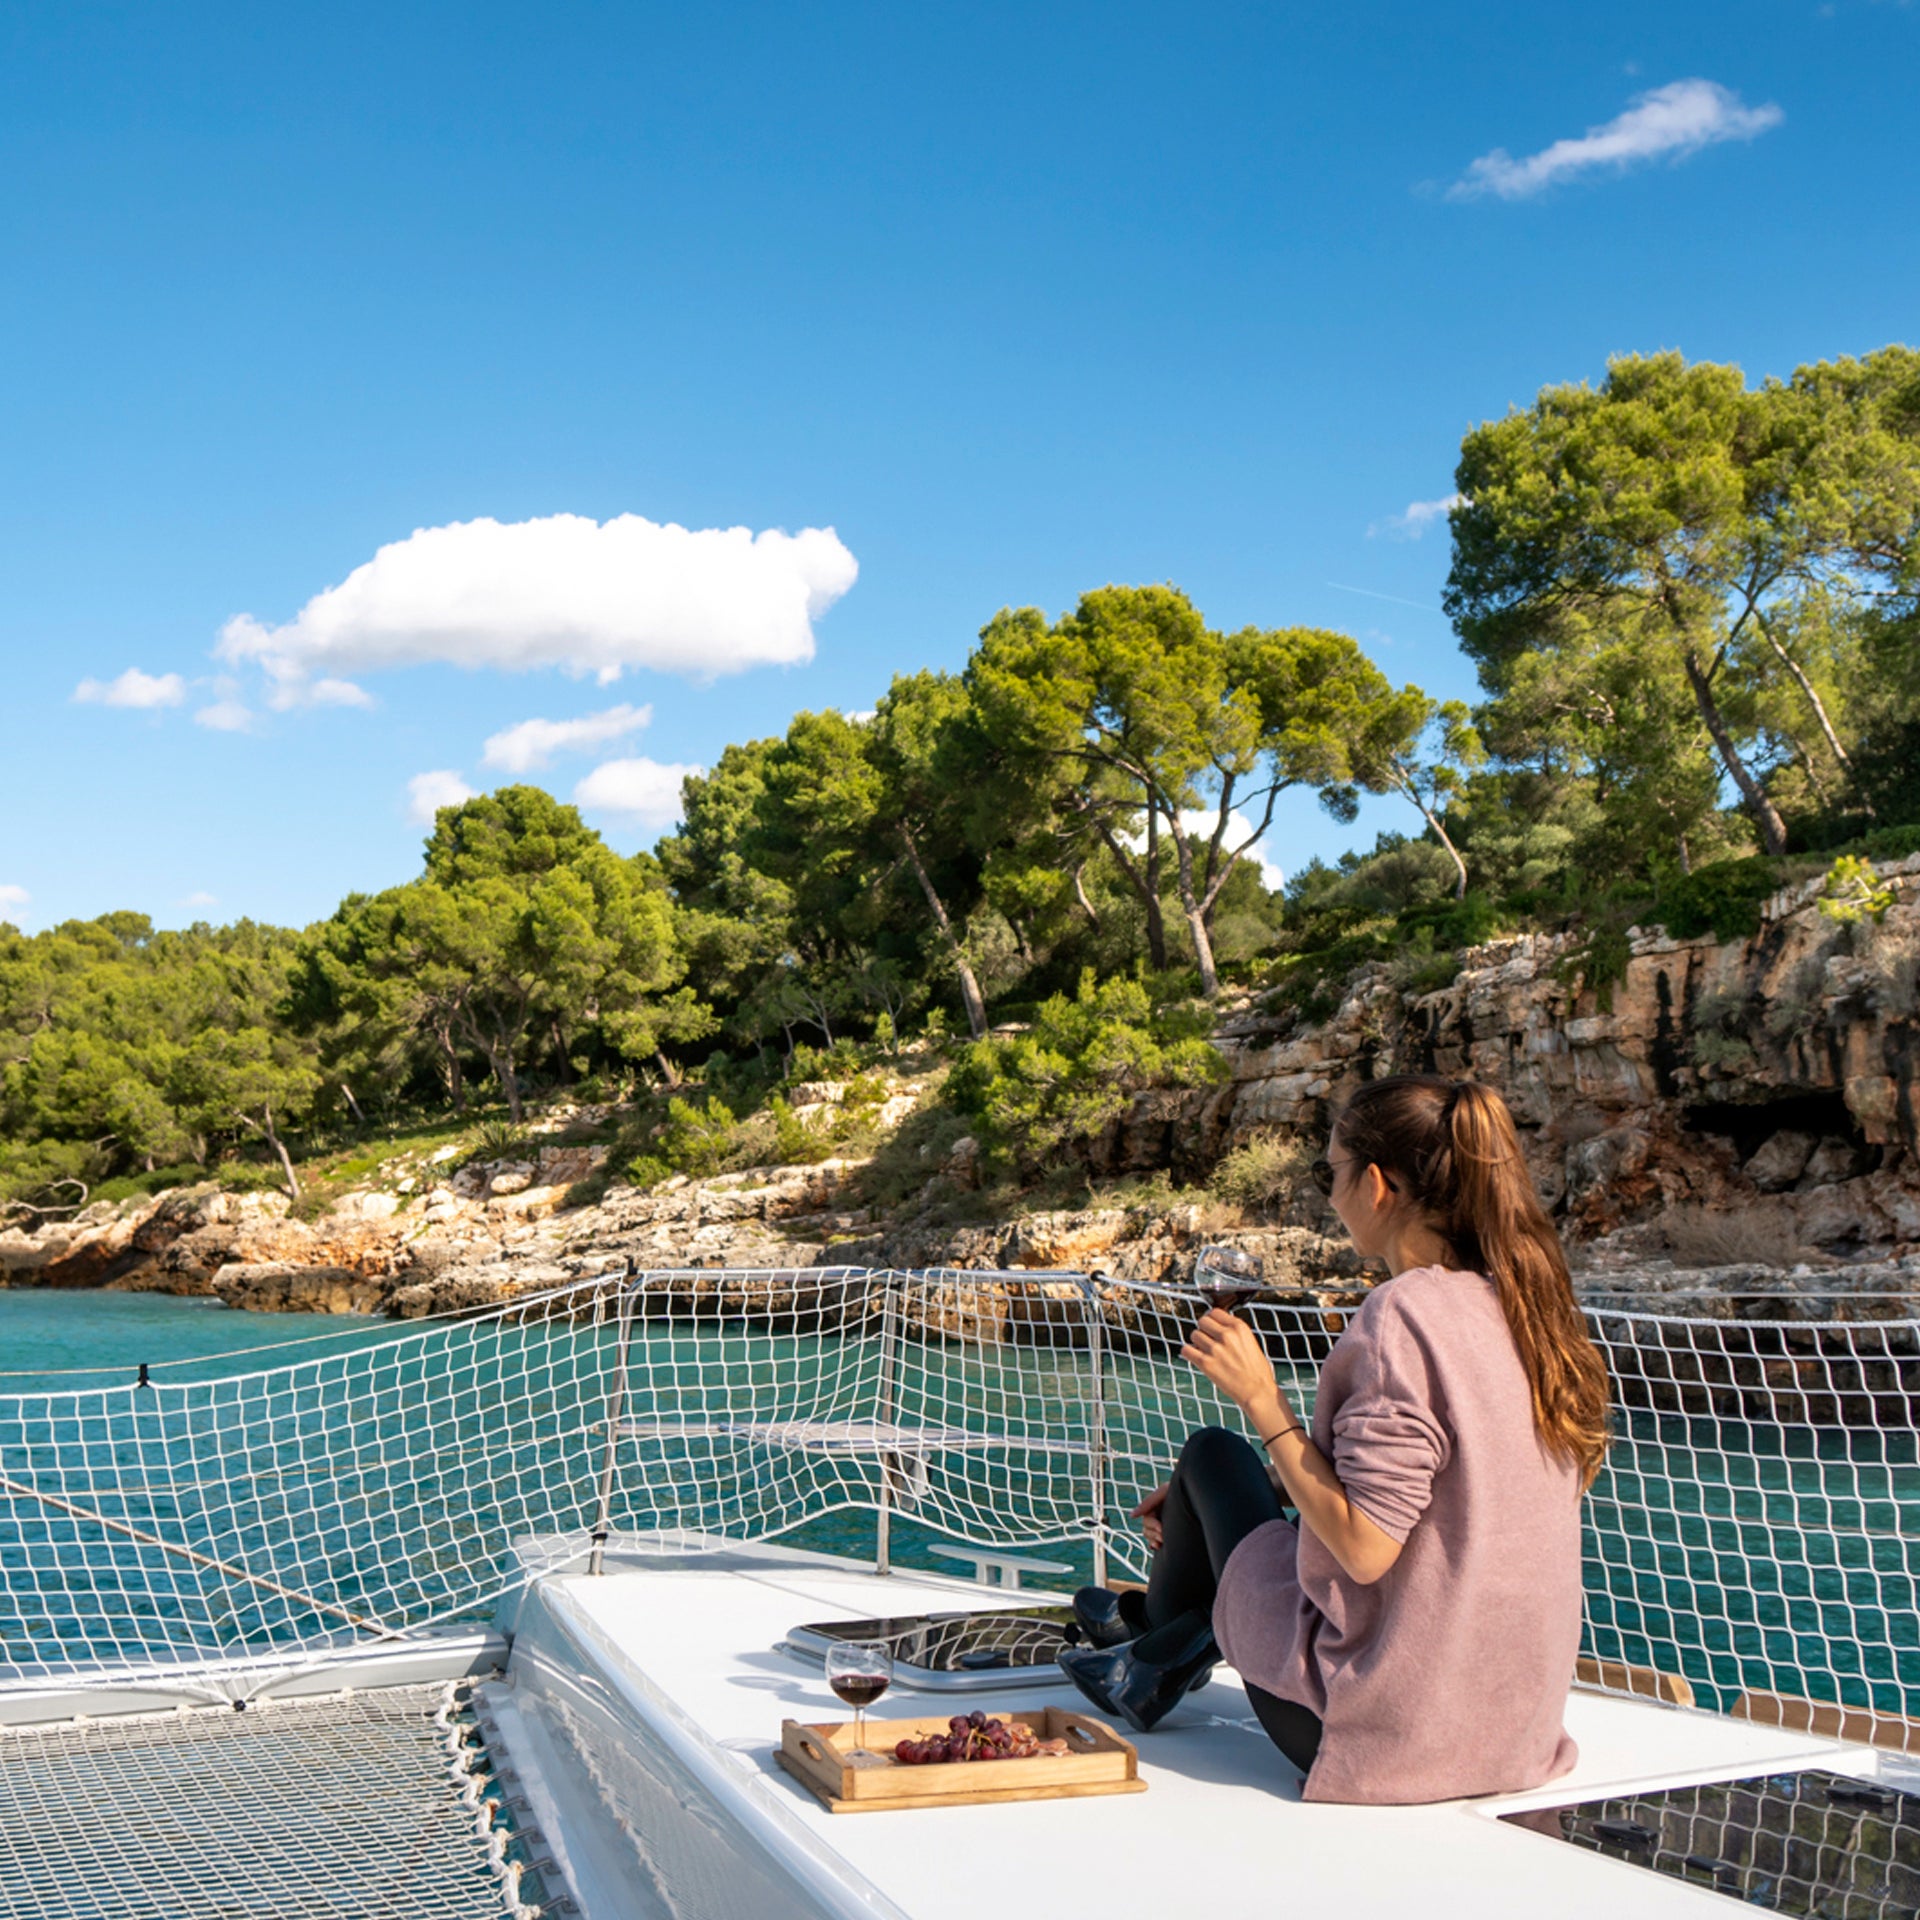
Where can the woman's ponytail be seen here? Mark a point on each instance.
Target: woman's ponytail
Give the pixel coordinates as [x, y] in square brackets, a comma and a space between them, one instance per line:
[1453, 1148]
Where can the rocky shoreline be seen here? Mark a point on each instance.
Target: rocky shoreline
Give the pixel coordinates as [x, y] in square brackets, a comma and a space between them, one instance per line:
[1744, 1108]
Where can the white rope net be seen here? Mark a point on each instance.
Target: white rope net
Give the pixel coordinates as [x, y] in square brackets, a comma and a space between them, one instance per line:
[306, 1810]
[1756, 1531]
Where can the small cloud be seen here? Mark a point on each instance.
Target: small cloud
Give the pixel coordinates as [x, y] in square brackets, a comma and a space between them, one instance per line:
[532, 743]
[13, 900]
[1668, 123]
[1200, 823]
[427, 793]
[200, 900]
[133, 689]
[564, 591]
[647, 792]
[225, 716]
[864, 717]
[1418, 516]
[317, 693]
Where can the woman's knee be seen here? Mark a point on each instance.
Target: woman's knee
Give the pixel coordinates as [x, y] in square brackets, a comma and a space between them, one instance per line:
[1208, 1449]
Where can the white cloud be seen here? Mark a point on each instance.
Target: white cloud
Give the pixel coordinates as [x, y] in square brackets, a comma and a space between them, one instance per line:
[200, 899]
[1201, 821]
[1668, 123]
[12, 901]
[225, 715]
[1418, 516]
[565, 592]
[427, 793]
[133, 689]
[532, 743]
[317, 693]
[647, 792]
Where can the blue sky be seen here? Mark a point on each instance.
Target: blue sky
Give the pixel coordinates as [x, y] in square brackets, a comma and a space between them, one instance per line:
[1016, 300]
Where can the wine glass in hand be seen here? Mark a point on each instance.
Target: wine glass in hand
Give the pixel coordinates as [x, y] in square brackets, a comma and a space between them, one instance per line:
[859, 1672]
[1228, 1277]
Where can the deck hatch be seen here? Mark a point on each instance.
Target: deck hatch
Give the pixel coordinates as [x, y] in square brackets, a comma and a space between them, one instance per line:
[985, 1647]
[1813, 1843]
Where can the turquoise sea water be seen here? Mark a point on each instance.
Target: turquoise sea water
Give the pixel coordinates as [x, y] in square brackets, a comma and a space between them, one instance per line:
[56, 1339]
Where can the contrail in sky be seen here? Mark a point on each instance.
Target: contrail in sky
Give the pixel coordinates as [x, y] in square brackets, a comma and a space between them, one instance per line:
[1368, 593]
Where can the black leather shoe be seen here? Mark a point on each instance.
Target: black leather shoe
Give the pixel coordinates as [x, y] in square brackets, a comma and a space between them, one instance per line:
[1109, 1619]
[1142, 1692]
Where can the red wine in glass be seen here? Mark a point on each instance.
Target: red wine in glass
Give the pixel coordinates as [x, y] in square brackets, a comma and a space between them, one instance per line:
[859, 1672]
[1228, 1277]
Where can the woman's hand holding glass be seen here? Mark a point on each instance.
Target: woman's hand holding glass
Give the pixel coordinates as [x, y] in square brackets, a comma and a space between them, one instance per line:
[1229, 1353]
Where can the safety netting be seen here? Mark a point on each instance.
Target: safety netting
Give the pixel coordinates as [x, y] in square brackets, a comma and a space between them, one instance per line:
[1755, 1531]
[374, 1804]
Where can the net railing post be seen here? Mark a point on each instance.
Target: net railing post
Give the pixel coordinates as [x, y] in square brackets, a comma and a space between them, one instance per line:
[1096, 1425]
[883, 1519]
[616, 1411]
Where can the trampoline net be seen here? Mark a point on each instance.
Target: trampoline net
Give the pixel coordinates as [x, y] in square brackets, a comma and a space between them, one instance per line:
[346, 1805]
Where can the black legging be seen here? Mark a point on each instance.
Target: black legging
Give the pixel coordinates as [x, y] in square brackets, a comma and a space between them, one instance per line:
[1219, 1493]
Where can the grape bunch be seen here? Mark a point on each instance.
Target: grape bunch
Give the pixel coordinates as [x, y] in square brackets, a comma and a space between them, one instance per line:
[972, 1736]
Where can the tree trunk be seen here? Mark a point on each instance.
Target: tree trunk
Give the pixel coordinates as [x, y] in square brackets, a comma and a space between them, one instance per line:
[1196, 914]
[360, 1117]
[668, 1068]
[1080, 894]
[1144, 879]
[970, 994]
[1440, 833]
[1819, 713]
[503, 1071]
[271, 1136]
[450, 1069]
[1766, 816]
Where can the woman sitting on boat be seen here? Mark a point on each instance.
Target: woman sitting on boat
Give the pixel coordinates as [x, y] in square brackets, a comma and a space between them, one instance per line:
[1412, 1635]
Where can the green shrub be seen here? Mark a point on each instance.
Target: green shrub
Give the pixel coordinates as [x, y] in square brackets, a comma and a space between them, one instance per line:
[499, 1139]
[795, 1144]
[1854, 891]
[697, 1141]
[1598, 965]
[1457, 923]
[1716, 1048]
[188, 1174]
[1722, 899]
[1888, 843]
[1261, 1175]
[647, 1170]
[1079, 1066]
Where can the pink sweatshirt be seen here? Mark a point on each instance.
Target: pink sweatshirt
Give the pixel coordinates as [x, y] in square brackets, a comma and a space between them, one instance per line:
[1449, 1676]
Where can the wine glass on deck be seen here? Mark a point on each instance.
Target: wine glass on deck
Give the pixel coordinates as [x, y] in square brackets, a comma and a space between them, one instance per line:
[859, 1672]
[1228, 1277]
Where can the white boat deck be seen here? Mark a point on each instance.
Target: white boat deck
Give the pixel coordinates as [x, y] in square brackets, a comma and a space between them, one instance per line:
[677, 1658]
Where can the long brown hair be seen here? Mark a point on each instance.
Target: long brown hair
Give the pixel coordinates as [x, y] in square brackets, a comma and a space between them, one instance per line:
[1451, 1148]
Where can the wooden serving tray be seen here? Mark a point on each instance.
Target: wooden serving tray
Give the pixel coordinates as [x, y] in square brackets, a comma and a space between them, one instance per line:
[873, 1781]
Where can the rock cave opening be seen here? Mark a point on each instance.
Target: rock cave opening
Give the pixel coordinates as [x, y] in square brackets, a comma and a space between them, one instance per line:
[1820, 1113]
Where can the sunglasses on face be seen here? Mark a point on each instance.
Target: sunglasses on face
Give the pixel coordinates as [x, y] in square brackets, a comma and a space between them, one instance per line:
[1326, 1173]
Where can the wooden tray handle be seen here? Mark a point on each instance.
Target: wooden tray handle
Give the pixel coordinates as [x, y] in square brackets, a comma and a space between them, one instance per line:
[812, 1748]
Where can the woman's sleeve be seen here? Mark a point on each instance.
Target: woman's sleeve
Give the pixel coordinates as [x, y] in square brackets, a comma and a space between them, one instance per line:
[1388, 1440]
